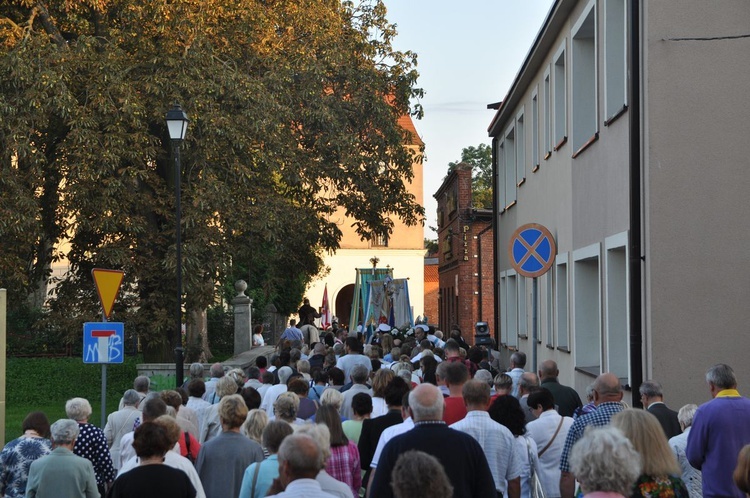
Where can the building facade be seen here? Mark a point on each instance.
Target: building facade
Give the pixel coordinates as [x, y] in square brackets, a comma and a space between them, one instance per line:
[403, 251]
[623, 133]
[465, 256]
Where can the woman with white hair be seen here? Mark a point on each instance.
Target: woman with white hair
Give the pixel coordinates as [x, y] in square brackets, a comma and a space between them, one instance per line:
[91, 443]
[690, 475]
[605, 463]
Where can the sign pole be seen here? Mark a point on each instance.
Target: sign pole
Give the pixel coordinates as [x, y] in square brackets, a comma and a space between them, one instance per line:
[534, 324]
[104, 382]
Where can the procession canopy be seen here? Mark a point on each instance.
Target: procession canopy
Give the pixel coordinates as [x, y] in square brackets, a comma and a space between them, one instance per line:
[379, 298]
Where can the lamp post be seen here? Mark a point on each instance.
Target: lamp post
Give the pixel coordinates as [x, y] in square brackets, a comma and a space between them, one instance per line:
[177, 124]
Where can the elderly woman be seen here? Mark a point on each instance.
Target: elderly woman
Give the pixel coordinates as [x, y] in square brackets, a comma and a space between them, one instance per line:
[605, 463]
[61, 473]
[255, 422]
[690, 475]
[151, 478]
[259, 476]
[659, 469]
[211, 428]
[307, 407]
[285, 408]
[223, 460]
[17, 455]
[91, 443]
[344, 463]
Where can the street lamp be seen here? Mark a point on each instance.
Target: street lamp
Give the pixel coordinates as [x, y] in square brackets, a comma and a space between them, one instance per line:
[177, 123]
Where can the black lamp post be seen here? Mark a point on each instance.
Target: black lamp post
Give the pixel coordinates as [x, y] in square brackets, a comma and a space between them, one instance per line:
[177, 123]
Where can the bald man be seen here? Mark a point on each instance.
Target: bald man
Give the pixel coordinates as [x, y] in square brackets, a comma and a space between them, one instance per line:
[566, 398]
[607, 399]
[459, 453]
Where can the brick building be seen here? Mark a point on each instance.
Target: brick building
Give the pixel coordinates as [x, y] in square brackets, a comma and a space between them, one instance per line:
[431, 289]
[465, 255]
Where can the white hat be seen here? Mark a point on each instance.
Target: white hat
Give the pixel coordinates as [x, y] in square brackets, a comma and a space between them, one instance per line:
[424, 327]
[384, 327]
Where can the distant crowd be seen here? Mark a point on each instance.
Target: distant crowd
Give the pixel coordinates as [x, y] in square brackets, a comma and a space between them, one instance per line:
[339, 414]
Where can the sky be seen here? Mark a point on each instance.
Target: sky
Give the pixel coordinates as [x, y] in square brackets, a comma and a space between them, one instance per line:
[469, 53]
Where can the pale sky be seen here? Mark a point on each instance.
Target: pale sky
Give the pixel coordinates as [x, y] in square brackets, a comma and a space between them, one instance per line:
[469, 54]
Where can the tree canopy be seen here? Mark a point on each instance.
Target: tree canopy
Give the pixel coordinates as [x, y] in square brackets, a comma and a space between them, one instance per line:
[293, 108]
[480, 160]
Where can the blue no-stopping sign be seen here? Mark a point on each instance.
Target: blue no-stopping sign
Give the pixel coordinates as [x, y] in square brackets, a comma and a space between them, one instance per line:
[532, 250]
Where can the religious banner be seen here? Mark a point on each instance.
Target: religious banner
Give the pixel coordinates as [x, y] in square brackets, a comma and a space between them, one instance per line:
[325, 311]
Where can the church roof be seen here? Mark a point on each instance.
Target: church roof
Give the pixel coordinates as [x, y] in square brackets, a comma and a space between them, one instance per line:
[407, 124]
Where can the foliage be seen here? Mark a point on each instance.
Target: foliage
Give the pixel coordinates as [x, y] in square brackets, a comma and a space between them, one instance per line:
[293, 107]
[480, 160]
[221, 331]
[431, 245]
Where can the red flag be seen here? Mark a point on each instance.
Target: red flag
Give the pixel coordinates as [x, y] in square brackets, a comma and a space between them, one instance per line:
[325, 311]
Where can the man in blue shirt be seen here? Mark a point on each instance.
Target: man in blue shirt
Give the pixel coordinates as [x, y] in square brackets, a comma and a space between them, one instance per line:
[292, 332]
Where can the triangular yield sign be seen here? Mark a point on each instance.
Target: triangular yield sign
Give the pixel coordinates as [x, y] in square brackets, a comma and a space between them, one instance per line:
[108, 286]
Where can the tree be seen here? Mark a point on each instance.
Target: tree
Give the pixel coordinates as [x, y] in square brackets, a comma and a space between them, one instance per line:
[293, 107]
[480, 159]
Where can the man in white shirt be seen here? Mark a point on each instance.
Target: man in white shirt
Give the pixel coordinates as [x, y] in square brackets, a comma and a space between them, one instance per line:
[273, 392]
[495, 439]
[300, 461]
[353, 356]
[549, 431]
[517, 363]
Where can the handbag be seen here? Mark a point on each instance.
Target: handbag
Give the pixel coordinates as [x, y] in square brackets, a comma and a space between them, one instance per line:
[537, 491]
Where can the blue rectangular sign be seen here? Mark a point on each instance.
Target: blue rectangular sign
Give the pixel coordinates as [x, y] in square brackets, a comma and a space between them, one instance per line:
[103, 342]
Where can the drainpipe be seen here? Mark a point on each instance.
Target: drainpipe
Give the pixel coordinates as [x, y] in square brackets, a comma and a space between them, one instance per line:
[635, 268]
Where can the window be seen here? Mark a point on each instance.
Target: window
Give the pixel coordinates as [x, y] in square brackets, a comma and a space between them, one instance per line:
[547, 124]
[546, 300]
[616, 307]
[615, 62]
[561, 300]
[503, 308]
[523, 297]
[520, 149]
[587, 304]
[511, 309]
[535, 132]
[583, 81]
[500, 172]
[380, 240]
[560, 117]
[510, 167]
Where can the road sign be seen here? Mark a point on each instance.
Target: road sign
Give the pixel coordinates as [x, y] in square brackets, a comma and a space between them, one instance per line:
[103, 342]
[107, 286]
[532, 250]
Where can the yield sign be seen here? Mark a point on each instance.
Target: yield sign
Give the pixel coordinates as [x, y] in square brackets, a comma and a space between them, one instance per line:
[107, 286]
[532, 250]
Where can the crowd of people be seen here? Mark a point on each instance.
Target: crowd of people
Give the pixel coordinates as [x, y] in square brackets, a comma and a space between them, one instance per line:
[347, 417]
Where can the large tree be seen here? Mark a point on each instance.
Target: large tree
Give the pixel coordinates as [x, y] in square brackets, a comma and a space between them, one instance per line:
[293, 107]
[480, 160]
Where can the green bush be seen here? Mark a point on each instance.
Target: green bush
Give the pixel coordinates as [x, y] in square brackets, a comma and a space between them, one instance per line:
[45, 384]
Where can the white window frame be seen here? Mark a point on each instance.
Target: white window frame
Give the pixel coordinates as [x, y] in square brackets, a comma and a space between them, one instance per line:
[584, 92]
[523, 306]
[617, 305]
[560, 101]
[615, 59]
[562, 301]
[500, 169]
[535, 130]
[547, 118]
[587, 312]
[511, 308]
[511, 182]
[503, 308]
[520, 147]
